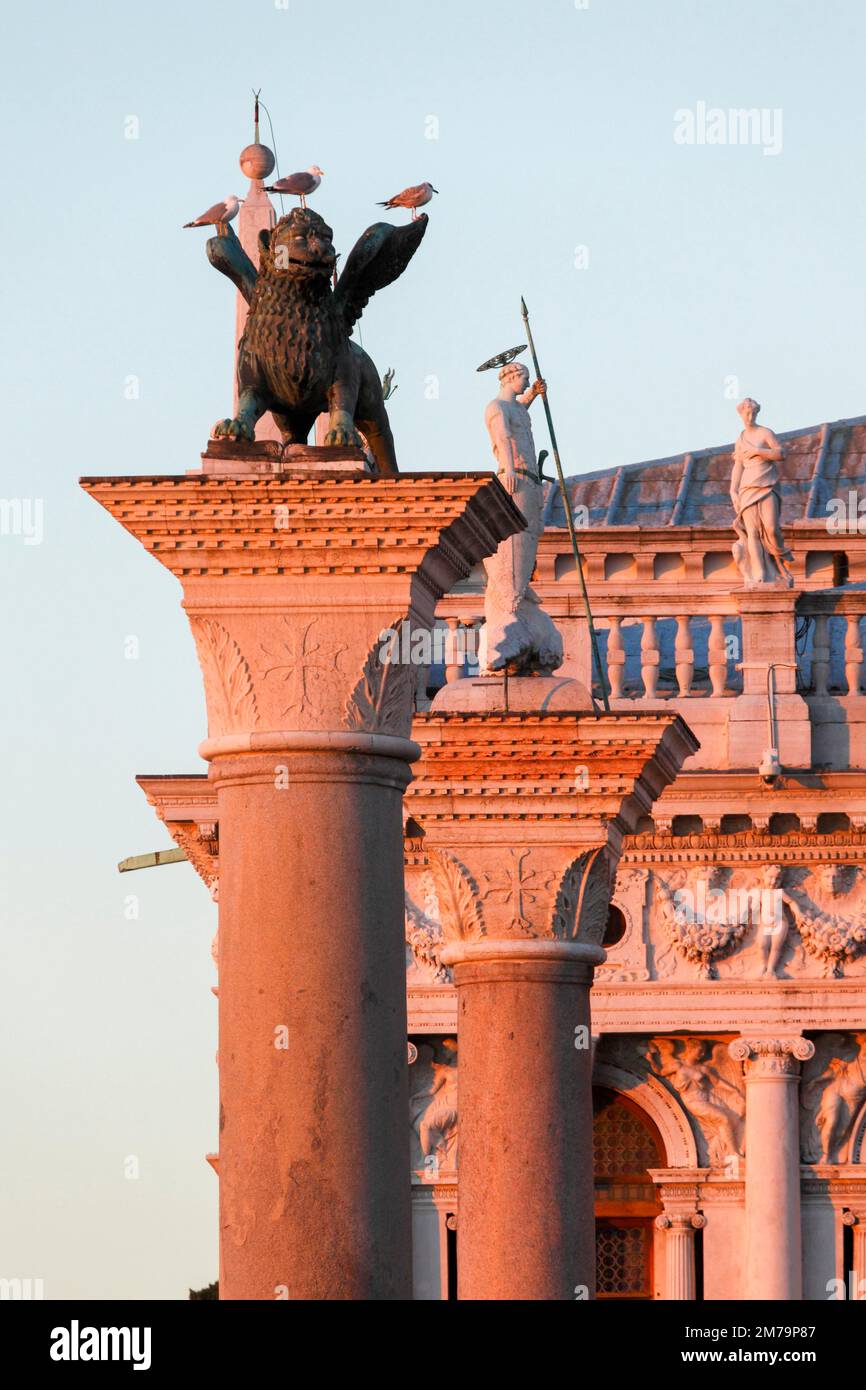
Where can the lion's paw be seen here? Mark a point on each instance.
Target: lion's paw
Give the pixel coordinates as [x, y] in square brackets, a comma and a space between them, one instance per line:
[232, 429]
[343, 437]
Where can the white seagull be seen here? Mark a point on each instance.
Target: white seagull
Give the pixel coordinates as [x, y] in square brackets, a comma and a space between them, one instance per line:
[219, 216]
[414, 198]
[301, 185]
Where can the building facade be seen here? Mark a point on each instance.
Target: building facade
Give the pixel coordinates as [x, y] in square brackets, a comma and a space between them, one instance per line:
[728, 1028]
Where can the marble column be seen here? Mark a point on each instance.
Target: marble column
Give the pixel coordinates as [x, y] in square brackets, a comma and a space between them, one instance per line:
[857, 1221]
[527, 1228]
[523, 901]
[292, 584]
[773, 1257]
[313, 1020]
[680, 1226]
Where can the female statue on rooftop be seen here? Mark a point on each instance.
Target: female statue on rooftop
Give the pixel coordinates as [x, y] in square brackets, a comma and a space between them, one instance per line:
[760, 550]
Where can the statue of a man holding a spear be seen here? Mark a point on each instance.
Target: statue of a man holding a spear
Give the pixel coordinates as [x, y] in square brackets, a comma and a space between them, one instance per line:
[519, 637]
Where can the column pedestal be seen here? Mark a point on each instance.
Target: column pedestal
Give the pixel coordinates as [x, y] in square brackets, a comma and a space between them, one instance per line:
[774, 1261]
[527, 1228]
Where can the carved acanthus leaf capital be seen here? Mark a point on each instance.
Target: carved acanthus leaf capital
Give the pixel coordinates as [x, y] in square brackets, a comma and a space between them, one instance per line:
[228, 684]
[457, 895]
[583, 899]
[382, 700]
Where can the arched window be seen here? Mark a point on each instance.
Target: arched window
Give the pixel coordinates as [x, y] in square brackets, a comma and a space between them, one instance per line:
[626, 1144]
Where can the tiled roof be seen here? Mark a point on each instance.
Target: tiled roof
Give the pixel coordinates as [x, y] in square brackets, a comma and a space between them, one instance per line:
[821, 461]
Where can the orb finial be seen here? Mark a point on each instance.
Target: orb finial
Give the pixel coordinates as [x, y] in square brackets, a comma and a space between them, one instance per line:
[256, 160]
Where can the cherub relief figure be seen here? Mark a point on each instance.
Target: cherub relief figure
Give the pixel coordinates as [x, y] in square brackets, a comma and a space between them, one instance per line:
[433, 1108]
[772, 919]
[760, 550]
[833, 1099]
[693, 1067]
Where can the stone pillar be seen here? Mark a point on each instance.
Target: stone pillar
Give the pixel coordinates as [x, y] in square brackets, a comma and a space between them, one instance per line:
[527, 1228]
[291, 585]
[680, 1252]
[773, 1262]
[857, 1221]
[523, 901]
[769, 624]
[313, 1091]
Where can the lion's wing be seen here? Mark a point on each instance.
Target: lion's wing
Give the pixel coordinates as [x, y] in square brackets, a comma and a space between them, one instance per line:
[379, 256]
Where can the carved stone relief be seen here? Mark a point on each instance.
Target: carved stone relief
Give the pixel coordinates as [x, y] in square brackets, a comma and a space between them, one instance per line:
[449, 909]
[701, 918]
[707, 1082]
[832, 1095]
[383, 699]
[231, 701]
[756, 921]
[582, 899]
[433, 1111]
[700, 1076]
[301, 669]
[829, 908]
[627, 958]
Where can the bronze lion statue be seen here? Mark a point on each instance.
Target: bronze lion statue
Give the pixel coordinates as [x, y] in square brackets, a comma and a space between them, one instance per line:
[296, 358]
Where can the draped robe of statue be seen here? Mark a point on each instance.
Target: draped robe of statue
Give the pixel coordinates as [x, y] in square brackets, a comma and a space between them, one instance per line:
[519, 637]
[760, 550]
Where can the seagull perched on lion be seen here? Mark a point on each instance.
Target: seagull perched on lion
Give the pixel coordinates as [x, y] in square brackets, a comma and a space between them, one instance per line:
[219, 216]
[414, 198]
[301, 185]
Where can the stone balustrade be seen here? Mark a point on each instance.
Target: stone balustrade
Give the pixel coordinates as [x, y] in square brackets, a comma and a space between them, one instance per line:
[830, 642]
[677, 657]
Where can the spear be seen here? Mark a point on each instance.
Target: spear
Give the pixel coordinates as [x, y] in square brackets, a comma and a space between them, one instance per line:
[569, 518]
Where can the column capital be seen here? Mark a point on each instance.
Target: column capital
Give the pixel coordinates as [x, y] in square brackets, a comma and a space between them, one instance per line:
[311, 595]
[771, 1056]
[681, 1221]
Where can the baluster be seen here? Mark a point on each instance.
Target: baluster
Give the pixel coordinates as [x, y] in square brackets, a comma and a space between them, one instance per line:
[684, 656]
[853, 654]
[821, 654]
[717, 655]
[453, 653]
[615, 659]
[649, 658]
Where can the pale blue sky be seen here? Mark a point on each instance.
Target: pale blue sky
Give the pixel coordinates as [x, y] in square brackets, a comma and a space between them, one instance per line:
[555, 129]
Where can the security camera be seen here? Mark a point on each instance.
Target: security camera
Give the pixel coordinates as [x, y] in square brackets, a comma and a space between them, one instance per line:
[771, 769]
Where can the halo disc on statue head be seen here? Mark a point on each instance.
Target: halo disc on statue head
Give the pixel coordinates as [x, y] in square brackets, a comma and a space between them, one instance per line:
[502, 358]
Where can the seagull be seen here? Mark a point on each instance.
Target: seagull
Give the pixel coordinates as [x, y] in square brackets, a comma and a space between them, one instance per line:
[302, 185]
[414, 198]
[219, 216]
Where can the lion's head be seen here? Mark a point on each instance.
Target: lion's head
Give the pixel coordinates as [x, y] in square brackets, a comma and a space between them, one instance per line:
[300, 247]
